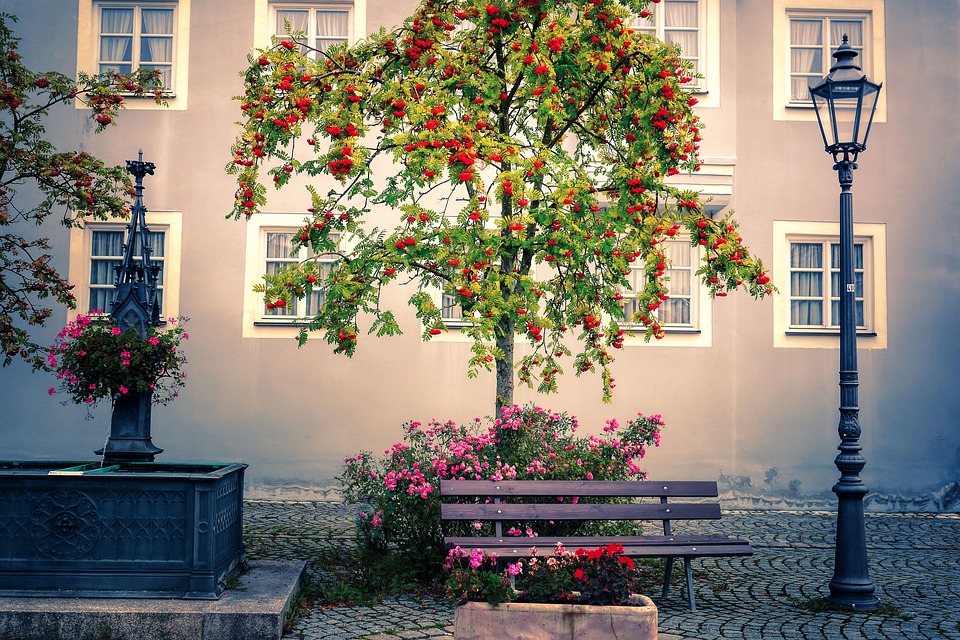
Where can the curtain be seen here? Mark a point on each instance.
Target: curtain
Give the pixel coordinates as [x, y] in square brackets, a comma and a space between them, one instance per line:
[806, 56]
[681, 21]
[853, 29]
[279, 255]
[806, 284]
[116, 49]
[156, 44]
[296, 19]
[675, 311]
[333, 27]
[105, 251]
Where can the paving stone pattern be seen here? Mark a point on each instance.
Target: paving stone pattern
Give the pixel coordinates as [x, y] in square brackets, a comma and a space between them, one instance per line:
[914, 561]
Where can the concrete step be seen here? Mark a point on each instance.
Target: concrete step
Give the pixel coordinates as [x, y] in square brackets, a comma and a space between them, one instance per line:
[253, 609]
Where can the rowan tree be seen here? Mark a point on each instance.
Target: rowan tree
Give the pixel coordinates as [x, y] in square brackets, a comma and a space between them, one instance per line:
[77, 183]
[530, 141]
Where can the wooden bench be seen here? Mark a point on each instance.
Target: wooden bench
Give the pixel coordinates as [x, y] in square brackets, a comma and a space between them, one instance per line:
[504, 502]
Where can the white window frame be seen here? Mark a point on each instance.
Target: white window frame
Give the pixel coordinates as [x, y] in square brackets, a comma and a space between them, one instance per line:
[310, 35]
[88, 48]
[638, 274]
[265, 17]
[256, 322]
[827, 46]
[707, 88]
[873, 335]
[297, 310]
[81, 258]
[136, 37]
[873, 60]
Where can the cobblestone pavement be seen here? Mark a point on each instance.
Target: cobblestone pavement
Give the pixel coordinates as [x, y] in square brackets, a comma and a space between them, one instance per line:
[914, 561]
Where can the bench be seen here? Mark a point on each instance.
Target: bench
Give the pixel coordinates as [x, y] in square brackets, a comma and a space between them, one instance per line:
[504, 502]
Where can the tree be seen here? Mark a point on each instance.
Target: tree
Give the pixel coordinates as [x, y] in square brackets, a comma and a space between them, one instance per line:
[531, 140]
[82, 185]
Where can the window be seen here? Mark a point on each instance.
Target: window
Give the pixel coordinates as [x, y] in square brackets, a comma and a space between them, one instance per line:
[97, 248]
[677, 21]
[138, 35]
[813, 39]
[815, 304]
[322, 27]
[805, 35]
[106, 253]
[679, 311]
[278, 253]
[118, 36]
[450, 310]
[806, 270]
[268, 249]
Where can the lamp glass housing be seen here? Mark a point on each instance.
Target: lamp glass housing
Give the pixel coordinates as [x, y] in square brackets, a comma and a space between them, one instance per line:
[845, 103]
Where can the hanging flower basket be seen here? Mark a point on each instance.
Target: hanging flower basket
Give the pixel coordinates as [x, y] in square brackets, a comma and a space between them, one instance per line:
[94, 359]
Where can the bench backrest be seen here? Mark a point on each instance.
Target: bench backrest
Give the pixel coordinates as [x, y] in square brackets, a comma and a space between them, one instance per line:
[498, 510]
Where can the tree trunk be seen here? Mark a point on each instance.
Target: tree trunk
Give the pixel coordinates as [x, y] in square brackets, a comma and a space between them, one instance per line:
[505, 340]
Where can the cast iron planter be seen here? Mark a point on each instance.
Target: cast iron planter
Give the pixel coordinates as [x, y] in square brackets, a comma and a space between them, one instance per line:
[132, 529]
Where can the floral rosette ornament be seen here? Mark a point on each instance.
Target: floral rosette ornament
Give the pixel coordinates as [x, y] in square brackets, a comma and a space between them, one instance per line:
[94, 359]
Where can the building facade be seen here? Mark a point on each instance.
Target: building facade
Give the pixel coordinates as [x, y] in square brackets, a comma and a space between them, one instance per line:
[748, 389]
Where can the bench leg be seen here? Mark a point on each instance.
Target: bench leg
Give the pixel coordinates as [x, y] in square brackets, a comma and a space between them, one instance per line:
[688, 569]
[666, 577]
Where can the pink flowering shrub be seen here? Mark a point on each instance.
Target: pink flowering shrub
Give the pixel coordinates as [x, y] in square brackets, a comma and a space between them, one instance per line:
[94, 360]
[400, 490]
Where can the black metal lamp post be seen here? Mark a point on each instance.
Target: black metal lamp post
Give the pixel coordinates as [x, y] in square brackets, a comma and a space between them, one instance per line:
[845, 102]
[136, 307]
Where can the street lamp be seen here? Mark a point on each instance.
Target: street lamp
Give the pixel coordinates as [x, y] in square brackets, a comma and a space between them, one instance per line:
[845, 102]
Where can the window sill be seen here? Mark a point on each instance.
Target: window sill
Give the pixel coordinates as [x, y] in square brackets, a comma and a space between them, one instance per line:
[862, 332]
[281, 323]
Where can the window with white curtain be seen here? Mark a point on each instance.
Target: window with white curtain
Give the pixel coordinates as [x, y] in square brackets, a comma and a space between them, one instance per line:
[278, 253]
[680, 310]
[813, 39]
[680, 22]
[322, 26]
[134, 35]
[106, 253]
[450, 310]
[815, 283]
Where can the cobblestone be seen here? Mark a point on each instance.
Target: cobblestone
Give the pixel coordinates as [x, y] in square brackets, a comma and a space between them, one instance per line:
[914, 562]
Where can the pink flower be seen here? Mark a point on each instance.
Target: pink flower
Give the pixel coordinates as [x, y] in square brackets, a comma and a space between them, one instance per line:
[93, 386]
[51, 391]
[514, 569]
[153, 340]
[123, 389]
[115, 331]
[476, 558]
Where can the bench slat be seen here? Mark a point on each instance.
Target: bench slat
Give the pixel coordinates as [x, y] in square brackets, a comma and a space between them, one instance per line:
[546, 544]
[609, 488]
[568, 511]
[639, 549]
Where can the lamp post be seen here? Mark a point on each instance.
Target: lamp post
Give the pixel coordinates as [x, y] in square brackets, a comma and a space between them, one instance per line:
[845, 102]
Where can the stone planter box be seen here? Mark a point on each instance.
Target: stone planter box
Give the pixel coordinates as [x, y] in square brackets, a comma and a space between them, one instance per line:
[522, 621]
[133, 529]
